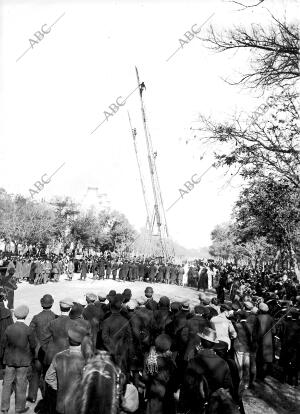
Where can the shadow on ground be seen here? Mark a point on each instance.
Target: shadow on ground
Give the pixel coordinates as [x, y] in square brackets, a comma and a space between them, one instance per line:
[272, 397]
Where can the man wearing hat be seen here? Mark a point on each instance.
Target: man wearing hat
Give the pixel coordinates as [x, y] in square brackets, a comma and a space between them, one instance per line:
[18, 346]
[196, 325]
[117, 334]
[94, 315]
[265, 341]
[141, 322]
[223, 326]
[162, 316]
[78, 320]
[150, 303]
[199, 320]
[127, 294]
[56, 340]
[102, 303]
[56, 332]
[37, 325]
[212, 310]
[65, 372]
[180, 318]
[206, 364]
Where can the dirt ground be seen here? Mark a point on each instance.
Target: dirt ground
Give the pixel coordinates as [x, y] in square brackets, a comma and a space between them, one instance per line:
[272, 397]
[76, 289]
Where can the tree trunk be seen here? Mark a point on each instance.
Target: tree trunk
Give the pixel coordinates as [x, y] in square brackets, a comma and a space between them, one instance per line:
[276, 260]
[294, 261]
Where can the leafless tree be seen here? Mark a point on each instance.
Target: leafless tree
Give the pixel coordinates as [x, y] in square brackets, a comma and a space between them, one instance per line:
[274, 51]
[268, 145]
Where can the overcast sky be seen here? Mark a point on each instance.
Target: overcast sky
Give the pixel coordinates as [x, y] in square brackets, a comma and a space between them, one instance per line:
[55, 95]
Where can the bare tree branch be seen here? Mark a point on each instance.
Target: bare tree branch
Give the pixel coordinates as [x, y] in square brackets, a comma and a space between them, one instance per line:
[274, 51]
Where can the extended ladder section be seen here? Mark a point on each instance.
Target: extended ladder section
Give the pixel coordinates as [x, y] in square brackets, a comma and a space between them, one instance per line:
[159, 213]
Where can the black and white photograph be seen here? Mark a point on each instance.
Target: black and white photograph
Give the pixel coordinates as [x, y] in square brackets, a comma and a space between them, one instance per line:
[149, 207]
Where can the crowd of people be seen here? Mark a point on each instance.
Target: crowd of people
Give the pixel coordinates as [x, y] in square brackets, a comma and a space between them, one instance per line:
[40, 270]
[156, 357]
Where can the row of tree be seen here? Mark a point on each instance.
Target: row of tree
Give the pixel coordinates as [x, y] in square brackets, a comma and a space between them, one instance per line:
[25, 222]
[61, 225]
[263, 147]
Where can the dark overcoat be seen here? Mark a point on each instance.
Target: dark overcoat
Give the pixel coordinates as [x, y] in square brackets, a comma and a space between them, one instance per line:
[265, 337]
[38, 325]
[160, 387]
[141, 267]
[5, 320]
[152, 272]
[56, 337]
[203, 279]
[68, 366]
[141, 322]
[162, 317]
[84, 269]
[117, 339]
[151, 304]
[18, 344]
[289, 333]
[216, 372]
[94, 314]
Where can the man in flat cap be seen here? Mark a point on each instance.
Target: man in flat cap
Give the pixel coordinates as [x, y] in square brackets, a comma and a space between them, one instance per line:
[65, 372]
[56, 332]
[56, 340]
[94, 315]
[18, 347]
[38, 325]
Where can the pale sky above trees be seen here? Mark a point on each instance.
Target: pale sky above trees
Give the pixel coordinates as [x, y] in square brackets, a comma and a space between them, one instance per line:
[56, 94]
